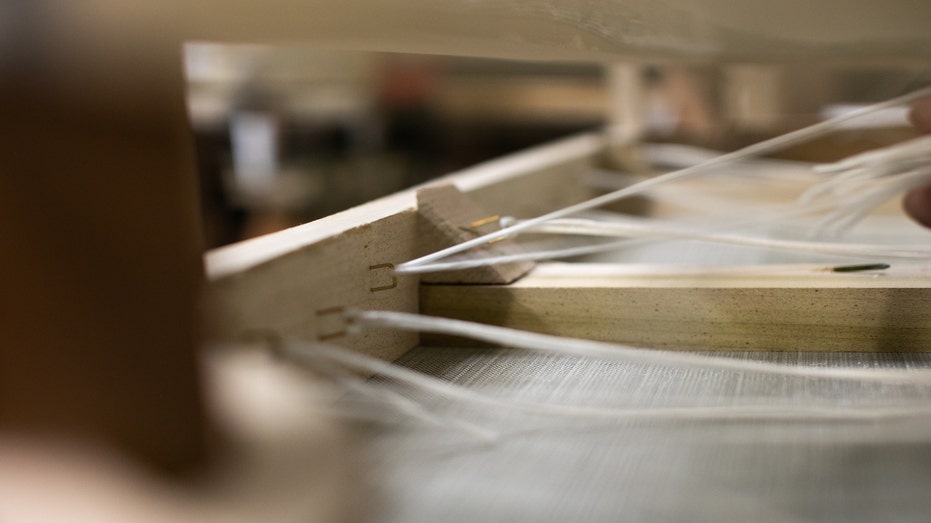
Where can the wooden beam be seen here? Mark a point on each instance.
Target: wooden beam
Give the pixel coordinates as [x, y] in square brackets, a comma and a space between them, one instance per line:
[799, 307]
[689, 30]
[296, 282]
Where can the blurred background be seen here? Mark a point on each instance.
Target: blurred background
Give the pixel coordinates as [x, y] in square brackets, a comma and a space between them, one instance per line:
[289, 135]
[286, 135]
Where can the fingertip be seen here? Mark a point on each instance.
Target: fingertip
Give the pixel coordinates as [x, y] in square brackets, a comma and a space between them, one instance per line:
[917, 205]
[920, 115]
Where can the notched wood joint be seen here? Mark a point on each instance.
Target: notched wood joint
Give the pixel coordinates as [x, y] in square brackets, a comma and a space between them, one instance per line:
[382, 273]
[446, 217]
[331, 323]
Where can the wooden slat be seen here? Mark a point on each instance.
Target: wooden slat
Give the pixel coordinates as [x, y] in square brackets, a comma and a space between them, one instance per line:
[790, 308]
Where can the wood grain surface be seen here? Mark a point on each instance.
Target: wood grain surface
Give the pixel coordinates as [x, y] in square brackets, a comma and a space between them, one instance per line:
[801, 307]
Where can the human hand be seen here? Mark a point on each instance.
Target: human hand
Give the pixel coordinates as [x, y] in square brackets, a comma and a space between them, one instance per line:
[917, 202]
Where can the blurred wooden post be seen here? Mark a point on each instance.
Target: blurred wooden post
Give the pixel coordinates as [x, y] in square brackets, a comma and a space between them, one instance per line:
[100, 257]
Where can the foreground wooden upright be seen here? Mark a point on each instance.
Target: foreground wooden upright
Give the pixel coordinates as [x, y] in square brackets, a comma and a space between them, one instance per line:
[101, 259]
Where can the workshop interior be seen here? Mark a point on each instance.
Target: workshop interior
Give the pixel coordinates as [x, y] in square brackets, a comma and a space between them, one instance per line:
[217, 225]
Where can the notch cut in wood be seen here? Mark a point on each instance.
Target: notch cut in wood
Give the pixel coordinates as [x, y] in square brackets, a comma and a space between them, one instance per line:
[447, 217]
[293, 283]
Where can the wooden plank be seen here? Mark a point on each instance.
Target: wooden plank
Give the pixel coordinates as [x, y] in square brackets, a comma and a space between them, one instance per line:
[296, 282]
[878, 32]
[790, 308]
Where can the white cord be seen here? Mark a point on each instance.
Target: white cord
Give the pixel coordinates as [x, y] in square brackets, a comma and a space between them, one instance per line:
[594, 349]
[641, 234]
[629, 228]
[310, 353]
[763, 147]
[860, 183]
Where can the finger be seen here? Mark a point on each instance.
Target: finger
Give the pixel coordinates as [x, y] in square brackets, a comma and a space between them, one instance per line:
[917, 204]
[920, 115]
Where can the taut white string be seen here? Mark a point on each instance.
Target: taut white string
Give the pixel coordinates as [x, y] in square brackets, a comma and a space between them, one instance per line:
[595, 349]
[575, 226]
[310, 353]
[763, 147]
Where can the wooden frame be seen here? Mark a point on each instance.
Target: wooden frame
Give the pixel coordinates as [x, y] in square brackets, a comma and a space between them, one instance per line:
[101, 260]
[297, 282]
